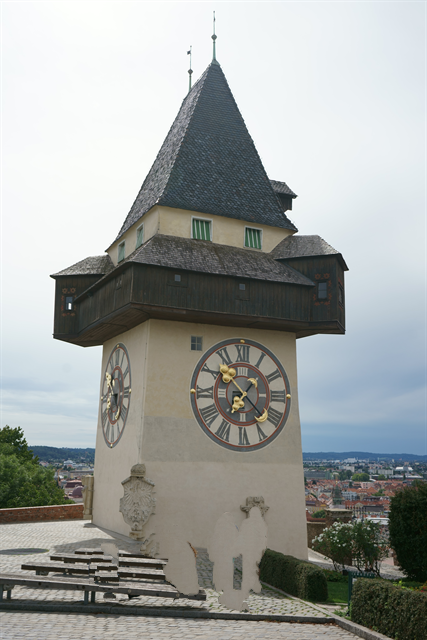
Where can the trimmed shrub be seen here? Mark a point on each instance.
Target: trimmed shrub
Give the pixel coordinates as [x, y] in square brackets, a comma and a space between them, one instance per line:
[397, 613]
[293, 576]
[408, 530]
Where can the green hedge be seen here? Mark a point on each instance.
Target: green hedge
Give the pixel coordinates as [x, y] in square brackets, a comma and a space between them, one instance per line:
[293, 576]
[397, 613]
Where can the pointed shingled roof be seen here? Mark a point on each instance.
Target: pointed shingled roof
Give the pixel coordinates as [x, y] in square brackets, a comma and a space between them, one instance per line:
[208, 162]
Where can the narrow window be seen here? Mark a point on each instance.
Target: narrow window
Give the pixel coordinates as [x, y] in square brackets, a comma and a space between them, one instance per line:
[322, 290]
[121, 252]
[242, 287]
[139, 236]
[177, 277]
[196, 343]
[69, 303]
[253, 238]
[201, 229]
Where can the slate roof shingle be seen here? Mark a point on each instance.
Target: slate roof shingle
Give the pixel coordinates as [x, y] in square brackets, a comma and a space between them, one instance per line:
[93, 265]
[209, 163]
[207, 257]
[304, 247]
[282, 187]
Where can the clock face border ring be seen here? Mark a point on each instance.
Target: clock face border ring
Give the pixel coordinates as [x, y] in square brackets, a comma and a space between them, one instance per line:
[120, 345]
[195, 411]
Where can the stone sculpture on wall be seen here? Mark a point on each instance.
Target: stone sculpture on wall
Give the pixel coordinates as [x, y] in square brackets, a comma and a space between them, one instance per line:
[87, 497]
[254, 501]
[137, 505]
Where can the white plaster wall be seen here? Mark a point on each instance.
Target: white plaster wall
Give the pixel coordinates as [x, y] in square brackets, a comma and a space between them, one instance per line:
[178, 222]
[196, 480]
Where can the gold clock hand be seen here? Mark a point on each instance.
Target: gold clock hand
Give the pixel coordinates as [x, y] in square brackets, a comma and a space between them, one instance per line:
[262, 418]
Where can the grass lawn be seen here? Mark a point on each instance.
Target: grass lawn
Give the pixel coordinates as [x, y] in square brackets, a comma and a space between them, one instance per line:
[337, 591]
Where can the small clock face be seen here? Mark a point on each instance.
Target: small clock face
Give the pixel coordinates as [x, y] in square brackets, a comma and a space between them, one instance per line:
[240, 395]
[116, 392]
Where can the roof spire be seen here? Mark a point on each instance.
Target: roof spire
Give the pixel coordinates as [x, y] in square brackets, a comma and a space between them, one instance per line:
[214, 38]
[190, 71]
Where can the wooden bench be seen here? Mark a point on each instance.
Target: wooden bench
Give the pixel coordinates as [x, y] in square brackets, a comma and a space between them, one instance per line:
[98, 573]
[89, 586]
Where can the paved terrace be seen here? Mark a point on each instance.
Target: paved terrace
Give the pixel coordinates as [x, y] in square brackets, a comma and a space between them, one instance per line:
[164, 618]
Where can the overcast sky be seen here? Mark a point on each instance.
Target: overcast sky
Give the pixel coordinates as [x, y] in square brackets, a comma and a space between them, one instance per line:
[333, 94]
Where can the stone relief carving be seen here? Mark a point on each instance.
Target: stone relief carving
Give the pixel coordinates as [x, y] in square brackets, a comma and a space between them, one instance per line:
[87, 497]
[254, 501]
[138, 504]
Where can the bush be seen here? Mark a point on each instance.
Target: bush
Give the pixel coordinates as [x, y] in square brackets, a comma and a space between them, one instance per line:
[293, 576]
[397, 613]
[361, 543]
[408, 530]
[336, 543]
[335, 576]
[321, 513]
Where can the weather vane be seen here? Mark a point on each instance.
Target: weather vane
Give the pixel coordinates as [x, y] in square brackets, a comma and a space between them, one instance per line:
[214, 38]
[190, 71]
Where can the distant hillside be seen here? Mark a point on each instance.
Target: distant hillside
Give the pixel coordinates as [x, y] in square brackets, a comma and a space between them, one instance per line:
[60, 454]
[363, 455]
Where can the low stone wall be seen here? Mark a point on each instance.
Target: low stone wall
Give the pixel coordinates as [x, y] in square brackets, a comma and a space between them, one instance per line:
[42, 514]
[313, 530]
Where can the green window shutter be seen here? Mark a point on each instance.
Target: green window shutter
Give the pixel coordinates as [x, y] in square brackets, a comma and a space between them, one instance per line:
[253, 238]
[121, 252]
[139, 236]
[201, 229]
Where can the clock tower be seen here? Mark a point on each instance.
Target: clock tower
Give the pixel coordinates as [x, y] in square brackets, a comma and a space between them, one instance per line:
[198, 303]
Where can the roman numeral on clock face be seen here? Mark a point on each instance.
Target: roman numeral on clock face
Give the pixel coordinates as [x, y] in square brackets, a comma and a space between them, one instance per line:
[274, 416]
[278, 396]
[243, 436]
[261, 434]
[224, 355]
[116, 357]
[104, 417]
[224, 431]
[261, 358]
[209, 414]
[123, 412]
[204, 393]
[242, 353]
[206, 369]
[125, 372]
[273, 376]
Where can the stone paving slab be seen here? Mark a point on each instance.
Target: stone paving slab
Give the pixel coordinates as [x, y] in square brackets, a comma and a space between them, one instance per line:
[44, 626]
[65, 537]
[166, 620]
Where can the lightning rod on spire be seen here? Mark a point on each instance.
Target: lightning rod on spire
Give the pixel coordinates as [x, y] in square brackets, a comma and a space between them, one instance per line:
[190, 71]
[214, 38]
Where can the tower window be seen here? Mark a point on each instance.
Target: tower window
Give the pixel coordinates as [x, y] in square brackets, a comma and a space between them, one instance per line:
[196, 343]
[121, 252]
[322, 290]
[242, 287]
[253, 238]
[177, 277]
[68, 303]
[139, 236]
[201, 229]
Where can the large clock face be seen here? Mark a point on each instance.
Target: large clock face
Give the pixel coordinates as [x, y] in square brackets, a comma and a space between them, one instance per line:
[116, 392]
[240, 395]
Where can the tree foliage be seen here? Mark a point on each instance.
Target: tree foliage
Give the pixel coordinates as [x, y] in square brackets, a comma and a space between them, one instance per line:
[23, 482]
[360, 477]
[12, 441]
[408, 530]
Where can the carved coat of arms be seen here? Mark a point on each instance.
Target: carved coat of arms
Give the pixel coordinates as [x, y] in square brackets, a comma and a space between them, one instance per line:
[138, 502]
